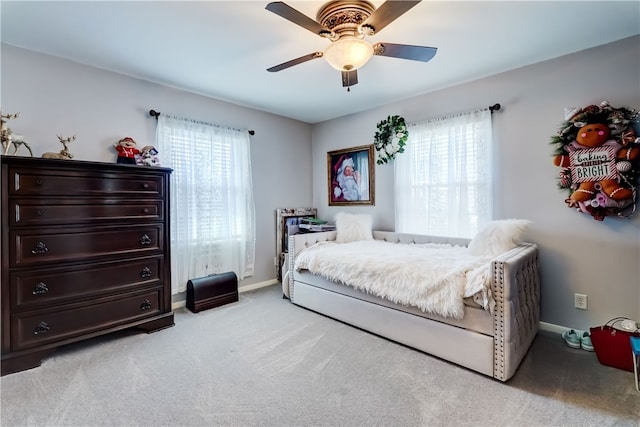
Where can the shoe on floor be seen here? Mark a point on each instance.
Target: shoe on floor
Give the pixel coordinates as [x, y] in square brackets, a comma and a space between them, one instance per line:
[572, 339]
[585, 342]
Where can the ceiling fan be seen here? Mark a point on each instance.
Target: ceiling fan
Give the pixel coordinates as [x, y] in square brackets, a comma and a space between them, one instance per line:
[346, 23]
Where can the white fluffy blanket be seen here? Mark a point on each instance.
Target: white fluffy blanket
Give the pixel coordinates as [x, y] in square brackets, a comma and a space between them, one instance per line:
[433, 277]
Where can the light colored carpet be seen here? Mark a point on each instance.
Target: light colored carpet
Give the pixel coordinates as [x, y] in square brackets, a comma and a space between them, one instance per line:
[265, 362]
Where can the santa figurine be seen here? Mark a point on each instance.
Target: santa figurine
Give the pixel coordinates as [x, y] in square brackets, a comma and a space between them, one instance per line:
[127, 151]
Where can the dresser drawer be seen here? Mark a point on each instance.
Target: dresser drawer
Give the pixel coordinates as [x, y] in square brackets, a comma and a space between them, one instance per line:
[39, 246]
[24, 181]
[45, 287]
[29, 212]
[46, 327]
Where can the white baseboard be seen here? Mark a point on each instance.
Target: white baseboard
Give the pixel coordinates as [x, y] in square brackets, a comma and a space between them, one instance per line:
[254, 286]
[178, 304]
[550, 327]
[257, 285]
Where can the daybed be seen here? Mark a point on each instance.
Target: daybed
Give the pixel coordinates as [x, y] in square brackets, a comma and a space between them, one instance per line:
[493, 343]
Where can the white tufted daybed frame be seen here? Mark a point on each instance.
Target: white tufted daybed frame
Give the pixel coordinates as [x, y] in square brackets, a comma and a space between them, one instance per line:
[492, 344]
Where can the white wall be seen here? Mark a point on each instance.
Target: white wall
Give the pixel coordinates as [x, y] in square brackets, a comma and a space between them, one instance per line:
[57, 96]
[577, 253]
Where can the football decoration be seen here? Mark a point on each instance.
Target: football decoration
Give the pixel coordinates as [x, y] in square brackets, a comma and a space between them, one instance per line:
[598, 149]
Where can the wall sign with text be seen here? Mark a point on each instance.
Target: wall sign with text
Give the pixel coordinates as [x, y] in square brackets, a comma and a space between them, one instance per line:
[598, 149]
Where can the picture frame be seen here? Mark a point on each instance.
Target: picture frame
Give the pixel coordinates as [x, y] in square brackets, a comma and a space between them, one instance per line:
[351, 176]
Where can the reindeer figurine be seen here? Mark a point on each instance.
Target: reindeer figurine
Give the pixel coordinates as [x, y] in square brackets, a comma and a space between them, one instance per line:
[7, 137]
[64, 153]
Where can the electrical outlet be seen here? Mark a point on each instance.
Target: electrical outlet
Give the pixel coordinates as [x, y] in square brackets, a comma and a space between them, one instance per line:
[580, 301]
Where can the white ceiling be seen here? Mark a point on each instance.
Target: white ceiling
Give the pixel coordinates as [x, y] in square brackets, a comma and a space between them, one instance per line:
[222, 49]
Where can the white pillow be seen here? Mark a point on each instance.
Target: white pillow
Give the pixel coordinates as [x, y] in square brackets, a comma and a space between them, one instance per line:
[352, 227]
[498, 237]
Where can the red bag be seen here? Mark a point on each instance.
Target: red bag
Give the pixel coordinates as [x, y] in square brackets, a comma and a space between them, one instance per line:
[612, 345]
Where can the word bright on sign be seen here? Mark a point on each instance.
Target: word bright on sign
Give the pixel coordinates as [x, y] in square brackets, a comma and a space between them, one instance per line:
[593, 164]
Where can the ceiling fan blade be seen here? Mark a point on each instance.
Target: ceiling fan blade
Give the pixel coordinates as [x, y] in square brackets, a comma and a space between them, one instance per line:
[296, 61]
[388, 12]
[298, 18]
[349, 78]
[405, 51]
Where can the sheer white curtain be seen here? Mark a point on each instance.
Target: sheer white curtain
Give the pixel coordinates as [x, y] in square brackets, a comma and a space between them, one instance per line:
[212, 206]
[362, 166]
[443, 180]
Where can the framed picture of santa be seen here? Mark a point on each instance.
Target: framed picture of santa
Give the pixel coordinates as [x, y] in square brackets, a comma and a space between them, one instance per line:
[350, 176]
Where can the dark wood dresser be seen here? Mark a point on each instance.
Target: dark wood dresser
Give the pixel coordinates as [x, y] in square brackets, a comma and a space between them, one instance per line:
[85, 252]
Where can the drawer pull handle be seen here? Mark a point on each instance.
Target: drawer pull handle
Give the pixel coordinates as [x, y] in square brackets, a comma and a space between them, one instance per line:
[42, 328]
[39, 212]
[145, 185]
[40, 289]
[38, 181]
[146, 305]
[40, 248]
[145, 240]
[145, 273]
[145, 210]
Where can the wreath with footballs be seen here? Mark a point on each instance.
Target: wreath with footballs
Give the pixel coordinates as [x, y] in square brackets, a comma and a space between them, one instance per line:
[598, 149]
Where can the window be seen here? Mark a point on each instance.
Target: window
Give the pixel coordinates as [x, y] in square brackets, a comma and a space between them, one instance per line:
[443, 180]
[212, 207]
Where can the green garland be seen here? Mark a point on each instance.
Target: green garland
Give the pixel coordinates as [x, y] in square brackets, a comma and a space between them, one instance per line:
[390, 138]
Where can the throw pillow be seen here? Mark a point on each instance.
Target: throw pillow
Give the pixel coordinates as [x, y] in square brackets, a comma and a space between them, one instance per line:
[498, 237]
[353, 227]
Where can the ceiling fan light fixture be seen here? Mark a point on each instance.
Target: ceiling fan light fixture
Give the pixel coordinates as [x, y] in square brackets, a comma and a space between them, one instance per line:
[348, 53]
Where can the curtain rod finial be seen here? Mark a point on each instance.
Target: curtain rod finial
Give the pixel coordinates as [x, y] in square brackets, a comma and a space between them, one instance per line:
[154, 113]
[494, 107]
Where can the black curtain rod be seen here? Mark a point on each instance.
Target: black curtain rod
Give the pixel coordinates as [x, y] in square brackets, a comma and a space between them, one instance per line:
[156, 114]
